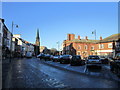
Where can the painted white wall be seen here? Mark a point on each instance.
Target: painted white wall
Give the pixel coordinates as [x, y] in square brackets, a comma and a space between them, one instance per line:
[104, 50]
[13, 46]
[1, 32]
[9, 39]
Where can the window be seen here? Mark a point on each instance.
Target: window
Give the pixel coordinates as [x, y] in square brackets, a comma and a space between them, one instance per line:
[78, 53]
[0, 38]
[8, 42]
[68, 47]
[101, 46]
[92, 48]
[0, 27]
[110, 45]
[79, 47]
[93, 57]
[86, 47]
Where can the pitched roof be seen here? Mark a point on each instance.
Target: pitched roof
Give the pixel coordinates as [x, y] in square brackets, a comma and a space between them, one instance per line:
[107, 39]
[83, 40]
[114, 37]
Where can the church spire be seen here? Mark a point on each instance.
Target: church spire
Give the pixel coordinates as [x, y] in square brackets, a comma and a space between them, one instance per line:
[37, 33]
[37, 47]
[37, 38]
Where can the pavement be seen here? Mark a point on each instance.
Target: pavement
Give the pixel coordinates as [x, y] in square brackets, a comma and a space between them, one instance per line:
[5, 69]
[103, 73]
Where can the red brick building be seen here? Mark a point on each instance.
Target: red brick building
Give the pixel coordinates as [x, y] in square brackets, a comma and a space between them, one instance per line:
[85, 47]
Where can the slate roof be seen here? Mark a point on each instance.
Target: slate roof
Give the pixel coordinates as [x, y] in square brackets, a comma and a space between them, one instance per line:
[107, 39]
[114, 37]
[82, 40]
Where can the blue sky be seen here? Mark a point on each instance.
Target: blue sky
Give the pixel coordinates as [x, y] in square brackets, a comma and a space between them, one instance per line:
[56, 19]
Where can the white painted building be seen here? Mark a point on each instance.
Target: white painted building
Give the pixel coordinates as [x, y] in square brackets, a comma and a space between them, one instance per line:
[25, 46]
[1, 37]
[9, 36]
[21, 43]
[13, 46]
[1, 31]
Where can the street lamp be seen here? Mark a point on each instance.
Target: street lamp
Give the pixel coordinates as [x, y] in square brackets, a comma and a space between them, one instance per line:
[58, 46]
[94, 32]
[11, 38]
[13, 26]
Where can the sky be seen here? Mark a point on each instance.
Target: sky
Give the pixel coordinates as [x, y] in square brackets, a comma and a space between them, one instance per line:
[56, 19]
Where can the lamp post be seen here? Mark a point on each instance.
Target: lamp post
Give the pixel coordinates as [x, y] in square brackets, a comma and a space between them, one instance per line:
[94, 32]
[13, 26]
[58, 46]
[11, 38]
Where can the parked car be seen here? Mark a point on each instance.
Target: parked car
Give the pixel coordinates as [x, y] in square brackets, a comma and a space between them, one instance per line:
[56, 58]
[65, 59]
[115, 64]
[47, 57]
[29, 54]
[41, 56]
[93, 60]
[51, 57]
[38, 56]
[60, 57]
[104, 59]
[76, 60]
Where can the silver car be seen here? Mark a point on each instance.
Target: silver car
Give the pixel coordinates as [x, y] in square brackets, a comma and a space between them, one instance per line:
[93, 60]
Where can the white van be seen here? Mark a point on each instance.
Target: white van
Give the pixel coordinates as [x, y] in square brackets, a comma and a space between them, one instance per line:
[29, 54]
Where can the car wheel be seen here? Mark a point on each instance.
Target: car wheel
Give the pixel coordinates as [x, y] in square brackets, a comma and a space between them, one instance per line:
[118, 72]
[60, 62]
[111, 68]
[87, 66]
[100, 67]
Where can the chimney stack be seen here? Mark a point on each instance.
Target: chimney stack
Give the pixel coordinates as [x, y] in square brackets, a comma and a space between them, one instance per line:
[79, 37]
[70, 37]
[86, 38]
[100, 38]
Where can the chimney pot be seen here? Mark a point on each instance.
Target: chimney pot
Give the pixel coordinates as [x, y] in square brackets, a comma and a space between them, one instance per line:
[86, 38]
[100, 38]
[79, 37]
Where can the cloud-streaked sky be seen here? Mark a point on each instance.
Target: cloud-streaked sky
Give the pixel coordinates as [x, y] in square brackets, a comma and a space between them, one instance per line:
[55, 20]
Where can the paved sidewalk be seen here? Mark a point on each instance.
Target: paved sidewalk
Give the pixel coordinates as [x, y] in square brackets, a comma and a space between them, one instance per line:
[103, 73]
[5, 71]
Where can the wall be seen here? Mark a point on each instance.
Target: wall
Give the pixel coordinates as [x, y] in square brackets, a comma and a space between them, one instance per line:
[106, 50]
[91, 48]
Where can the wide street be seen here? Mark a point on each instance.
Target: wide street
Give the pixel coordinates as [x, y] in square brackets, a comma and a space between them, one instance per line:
[32, 73]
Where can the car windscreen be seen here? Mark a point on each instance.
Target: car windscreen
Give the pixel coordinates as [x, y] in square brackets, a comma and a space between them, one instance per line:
[93, 57]
[76, 57]
[66, 56]
[118, 56]
[102, 56]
